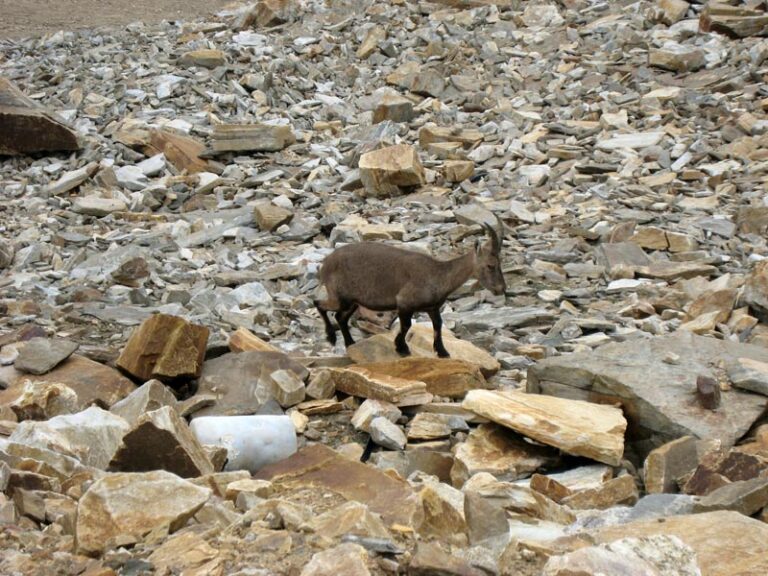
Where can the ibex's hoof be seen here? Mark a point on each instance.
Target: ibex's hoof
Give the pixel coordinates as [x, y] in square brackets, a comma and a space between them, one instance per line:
[331, 338]
[443, 354]
[403, 351]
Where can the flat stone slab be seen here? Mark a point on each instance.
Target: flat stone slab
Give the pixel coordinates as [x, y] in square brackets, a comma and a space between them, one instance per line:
[41, 355]
[576, 427]
[658, 398]
[726, 543]
[320, 467]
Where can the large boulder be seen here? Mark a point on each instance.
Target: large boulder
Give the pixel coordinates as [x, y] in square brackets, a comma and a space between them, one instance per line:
[121, 509]
[657, 397]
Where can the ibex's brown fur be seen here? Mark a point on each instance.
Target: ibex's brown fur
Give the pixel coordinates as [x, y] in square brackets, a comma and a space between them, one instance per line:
[382, 277]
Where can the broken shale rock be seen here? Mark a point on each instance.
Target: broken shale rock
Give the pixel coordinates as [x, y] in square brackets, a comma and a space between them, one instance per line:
[443, 377]
[161, 440]
[122, 508]
[320, 467]
[575, 427]
[41, 355]
[658, 397]
[361, 382]
[256, 137]
[391, 171]
[501, 452]
[27, 128]
[164, 347]
[150, 396]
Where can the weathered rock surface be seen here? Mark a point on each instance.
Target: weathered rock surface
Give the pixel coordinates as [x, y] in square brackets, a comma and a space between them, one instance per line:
[494, 449]
[321, 467]
[121, 509]
[724, 542]
[166, 348]
[658, 397]
[26, 127]
[240, 382]
[576, 427]
[443, 377]
[161, 440]
[41, 355]
[151, 395]
[391, 170]
[646, 556]
[361, 382]
[91, 436]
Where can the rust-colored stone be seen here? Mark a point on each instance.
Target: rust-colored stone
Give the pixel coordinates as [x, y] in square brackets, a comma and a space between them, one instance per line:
[164, 347]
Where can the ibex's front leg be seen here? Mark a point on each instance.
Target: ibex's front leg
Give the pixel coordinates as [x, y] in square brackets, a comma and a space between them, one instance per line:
[405, 325]
[437, 326]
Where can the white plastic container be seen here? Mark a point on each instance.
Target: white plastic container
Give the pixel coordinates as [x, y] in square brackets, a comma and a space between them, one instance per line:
[252, 442]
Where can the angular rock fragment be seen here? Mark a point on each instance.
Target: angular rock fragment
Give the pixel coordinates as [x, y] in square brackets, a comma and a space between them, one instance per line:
[121, 509]
[363, 383]
[243, 340]
[27, 128]
[40, 400]
[344, 559]
[371, 409]
[659, 397]
[615, 492]
[287, 388]
[97, 206]
[205, 58]
[393, 107]
[390, 171]
[667, 464]
[430, 559]
[72, 179]
[266, 13]
[349, 518]
[185, 553]
[320, 467]
[166, 348]
[677, 58]
[256, 137]
[41, 355]
[161, 440]
[743, 496]
[150, 396]
[576, 427]
[733, 21]
[644, 556]
[240, 382]
[387, 434]
[91, 436]
[749, 374]
[269, 217]
[724, 542]
[494, 449]
[443, 377]
[443, 513]
[756, 289]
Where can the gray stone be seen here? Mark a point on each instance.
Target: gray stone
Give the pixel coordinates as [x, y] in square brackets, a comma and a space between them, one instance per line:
[501, 317]
[98, 206]
[658, 397]
[41, 355]
[749, 374]
[387, 434]
[150, 396]
[240, 382]
[743, 496]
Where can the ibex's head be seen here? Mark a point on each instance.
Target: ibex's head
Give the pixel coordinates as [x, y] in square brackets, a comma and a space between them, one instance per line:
[488, 263]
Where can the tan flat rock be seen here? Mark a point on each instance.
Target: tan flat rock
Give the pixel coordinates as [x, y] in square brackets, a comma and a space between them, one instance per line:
[360, 382]
[576, 427]
[319, 467]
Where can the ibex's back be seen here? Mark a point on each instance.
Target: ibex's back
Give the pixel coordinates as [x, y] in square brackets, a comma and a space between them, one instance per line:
[373, 274]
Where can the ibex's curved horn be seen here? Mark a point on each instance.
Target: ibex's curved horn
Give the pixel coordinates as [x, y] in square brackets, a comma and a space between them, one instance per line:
[495, 240]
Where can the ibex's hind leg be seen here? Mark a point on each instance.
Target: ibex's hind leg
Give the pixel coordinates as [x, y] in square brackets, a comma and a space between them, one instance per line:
[323, 307]
[405, 325]
[342, 318]
[437, 326]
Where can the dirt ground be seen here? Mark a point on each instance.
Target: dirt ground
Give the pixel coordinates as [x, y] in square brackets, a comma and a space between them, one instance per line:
[20, 18]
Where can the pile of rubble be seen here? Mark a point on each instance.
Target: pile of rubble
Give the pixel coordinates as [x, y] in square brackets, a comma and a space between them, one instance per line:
[169, 192]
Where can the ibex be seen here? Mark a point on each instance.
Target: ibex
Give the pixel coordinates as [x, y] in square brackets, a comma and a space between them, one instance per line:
[382, 277]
